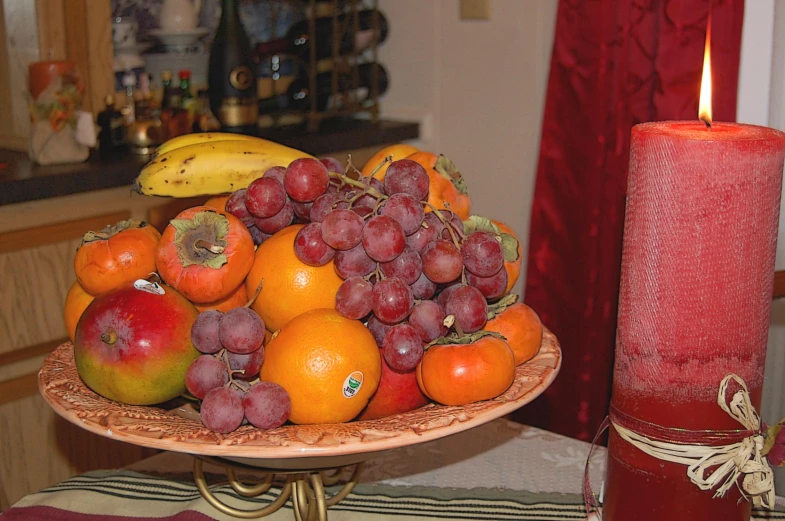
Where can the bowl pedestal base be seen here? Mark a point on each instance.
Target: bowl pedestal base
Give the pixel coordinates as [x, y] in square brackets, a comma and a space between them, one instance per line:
[304, 487]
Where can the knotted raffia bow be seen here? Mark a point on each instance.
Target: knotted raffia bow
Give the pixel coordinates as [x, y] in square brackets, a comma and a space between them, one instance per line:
[743, 458]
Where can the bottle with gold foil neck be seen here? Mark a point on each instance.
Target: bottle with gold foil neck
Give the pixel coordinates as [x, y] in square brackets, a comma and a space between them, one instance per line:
[230, 76]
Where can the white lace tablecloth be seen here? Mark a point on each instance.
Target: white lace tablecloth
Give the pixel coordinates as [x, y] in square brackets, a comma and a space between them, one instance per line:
[500, 454]
[499, 471]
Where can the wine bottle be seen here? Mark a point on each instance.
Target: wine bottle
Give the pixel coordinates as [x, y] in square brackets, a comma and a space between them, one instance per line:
[298, 38]
[298, 94]
[230, 76]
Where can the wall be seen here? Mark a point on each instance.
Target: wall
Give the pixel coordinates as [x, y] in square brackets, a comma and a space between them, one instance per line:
[478, 87]
[762, 102]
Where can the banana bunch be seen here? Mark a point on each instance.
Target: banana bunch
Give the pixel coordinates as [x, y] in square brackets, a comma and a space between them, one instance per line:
[210, 164]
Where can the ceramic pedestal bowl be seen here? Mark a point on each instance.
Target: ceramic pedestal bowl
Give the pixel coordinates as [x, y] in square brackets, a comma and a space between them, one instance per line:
[302, 453]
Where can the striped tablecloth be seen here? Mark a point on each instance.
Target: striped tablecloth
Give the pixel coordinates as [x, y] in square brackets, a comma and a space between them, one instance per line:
[500, 471]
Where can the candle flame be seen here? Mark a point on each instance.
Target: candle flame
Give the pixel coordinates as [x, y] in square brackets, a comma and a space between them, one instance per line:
[704, 106]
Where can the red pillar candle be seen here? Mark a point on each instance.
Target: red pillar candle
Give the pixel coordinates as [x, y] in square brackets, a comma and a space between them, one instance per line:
[697, 272]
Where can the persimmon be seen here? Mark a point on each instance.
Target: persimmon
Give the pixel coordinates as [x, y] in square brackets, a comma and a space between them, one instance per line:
[511, 244]
[448, 187]
[218, 202]
[205, 254]
[519, 324]
[236, 299]
[116, 255]
[76, 301]
[467, 369]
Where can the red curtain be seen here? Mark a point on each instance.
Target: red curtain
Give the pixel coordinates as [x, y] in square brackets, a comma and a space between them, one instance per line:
[615, 63]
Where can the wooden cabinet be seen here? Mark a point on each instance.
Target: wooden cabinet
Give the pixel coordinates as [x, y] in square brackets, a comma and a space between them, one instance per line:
[38, 241]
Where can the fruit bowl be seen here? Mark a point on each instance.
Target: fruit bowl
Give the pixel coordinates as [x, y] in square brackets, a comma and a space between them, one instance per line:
[290, 447]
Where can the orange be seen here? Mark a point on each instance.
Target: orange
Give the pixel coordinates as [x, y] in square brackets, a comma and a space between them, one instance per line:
[330, 366]
[522, 328]
[291, 287]
[447, 187]
[513, 267]
[237, 299]
[76, 301]
[218, 202]
[399, 151]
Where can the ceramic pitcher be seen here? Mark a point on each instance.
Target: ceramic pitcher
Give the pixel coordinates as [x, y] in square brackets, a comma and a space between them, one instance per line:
[180, 15]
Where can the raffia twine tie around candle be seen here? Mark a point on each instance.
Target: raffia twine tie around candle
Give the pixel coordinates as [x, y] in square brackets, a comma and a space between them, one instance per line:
[741, 458]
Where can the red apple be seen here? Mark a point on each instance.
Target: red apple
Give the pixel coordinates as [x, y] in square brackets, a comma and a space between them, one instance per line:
[134, 345]
[397, 392]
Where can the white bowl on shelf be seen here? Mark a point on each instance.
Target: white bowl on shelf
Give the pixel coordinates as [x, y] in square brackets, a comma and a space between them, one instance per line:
[182, 37]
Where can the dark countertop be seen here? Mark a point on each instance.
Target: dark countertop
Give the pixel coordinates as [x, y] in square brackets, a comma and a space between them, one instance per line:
[21, 180]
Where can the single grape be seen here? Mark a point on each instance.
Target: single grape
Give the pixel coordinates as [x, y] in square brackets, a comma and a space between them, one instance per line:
[235, 205]
[452, 221]
[428, 231]
[257, 235]
[469, 307]
[445, 292]
[275, 172]
[408, 177]
[353, 263]
[205, 374]
[392, 300]
[354, 298]
[309, 246]
[332, 164]
[278, 221]
[204, 331]
[249, 363]
[367, 199]
[402, 348]
[427, 318]
[406, 210]
[342, 229]
[442, 261]
[241, 330]
[265, 197]
[306, 179]
[423, 288]
[325, 204]
[378, 329]
[222, 410]
[362, 211]
[383, 238]
[302, 210]
[491, 287]
[482, 254]
[407, 266]
[267, 405]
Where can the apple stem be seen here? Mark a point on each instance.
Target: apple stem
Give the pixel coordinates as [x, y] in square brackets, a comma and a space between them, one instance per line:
[109, 337]
[212, 248]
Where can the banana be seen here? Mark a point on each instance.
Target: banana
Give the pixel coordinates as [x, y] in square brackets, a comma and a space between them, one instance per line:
[212, 167]
[200, 137]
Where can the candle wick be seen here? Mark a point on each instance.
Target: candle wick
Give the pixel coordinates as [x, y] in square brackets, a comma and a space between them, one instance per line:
[707, 122]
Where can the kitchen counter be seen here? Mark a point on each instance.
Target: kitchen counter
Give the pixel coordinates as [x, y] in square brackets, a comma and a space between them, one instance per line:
[21, 180]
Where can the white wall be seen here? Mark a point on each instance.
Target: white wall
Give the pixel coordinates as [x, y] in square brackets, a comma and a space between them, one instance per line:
[478, 87]
[762, 102]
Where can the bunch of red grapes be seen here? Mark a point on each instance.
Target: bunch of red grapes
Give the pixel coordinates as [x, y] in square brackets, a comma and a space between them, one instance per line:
[225, 377]
[405, 270]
